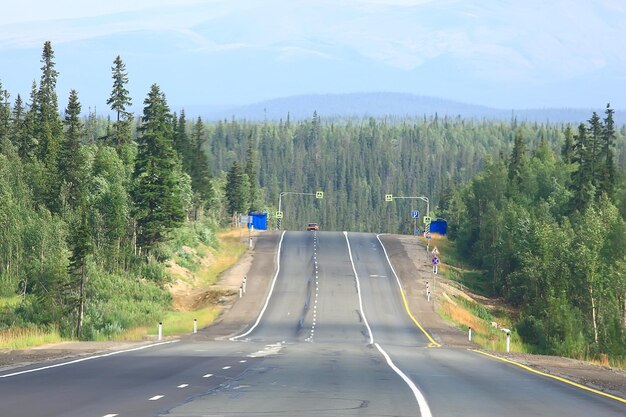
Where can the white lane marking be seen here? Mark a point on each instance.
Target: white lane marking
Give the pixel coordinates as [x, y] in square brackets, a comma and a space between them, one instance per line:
[207, 376]
[226, 367]
[269, 350]
[280, 244]
[111, 415]
[183, 386]
[419, 397]
[243, 361]
[358, 289]
[87, 359]
[156, 397]
[389, 262]
[421, 401]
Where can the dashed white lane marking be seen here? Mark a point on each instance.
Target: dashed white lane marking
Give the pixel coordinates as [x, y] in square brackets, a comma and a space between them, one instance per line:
[111, 415]
[226, 367]
[156, 397]
[419, 397]
[207, 376]
[183, 386]
[117, 352]
[243, 361]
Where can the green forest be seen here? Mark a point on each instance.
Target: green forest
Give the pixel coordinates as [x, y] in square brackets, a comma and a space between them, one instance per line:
[90, 204]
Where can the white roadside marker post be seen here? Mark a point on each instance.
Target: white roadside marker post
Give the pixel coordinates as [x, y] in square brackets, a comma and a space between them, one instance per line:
[240, 291]
[508, 339]
[470, 334]
[160, 330]
[195, 326]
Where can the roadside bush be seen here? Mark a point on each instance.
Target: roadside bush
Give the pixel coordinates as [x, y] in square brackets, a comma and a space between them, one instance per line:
[117, 303]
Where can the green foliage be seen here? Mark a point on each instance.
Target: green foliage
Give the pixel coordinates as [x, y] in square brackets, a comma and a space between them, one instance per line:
[158, 193]
[117, 303]
[565, 271]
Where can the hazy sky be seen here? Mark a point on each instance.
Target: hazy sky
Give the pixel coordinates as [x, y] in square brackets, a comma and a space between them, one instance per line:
[500, 53]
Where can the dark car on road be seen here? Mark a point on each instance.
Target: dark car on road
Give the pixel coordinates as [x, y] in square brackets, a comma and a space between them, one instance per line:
[312, 227]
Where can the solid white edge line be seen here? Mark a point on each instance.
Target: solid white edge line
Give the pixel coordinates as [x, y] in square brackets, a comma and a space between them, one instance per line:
[389, 262]
[358, 289]
[421, 401]
[267, 301]
[419, 397]
[87, 359]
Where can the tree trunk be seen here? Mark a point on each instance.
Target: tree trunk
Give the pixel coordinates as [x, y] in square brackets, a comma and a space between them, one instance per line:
[81, 308]
[593, 315]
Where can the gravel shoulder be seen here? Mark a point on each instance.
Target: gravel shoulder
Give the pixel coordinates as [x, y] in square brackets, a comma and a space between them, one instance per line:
[410, 261]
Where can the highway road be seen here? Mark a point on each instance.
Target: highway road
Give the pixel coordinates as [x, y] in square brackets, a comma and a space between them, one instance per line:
[333, 338]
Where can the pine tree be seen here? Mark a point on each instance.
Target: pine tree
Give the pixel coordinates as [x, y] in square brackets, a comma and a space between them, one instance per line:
[156, 194]
[48, 128]
[567, 151]
[251, 173]
[594, 139]
[606, 182]
[181, 141]
[199, 172]
[5, 114]
[28, 142]
[518, 157]
[237, 190]
[582, 179]
[70, 159]
[120, 101]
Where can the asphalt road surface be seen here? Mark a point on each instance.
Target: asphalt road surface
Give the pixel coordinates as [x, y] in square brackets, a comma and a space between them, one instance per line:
[333, 339]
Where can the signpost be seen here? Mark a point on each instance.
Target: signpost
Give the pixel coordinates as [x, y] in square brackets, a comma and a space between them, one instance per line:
[279, 214]
[415, 214]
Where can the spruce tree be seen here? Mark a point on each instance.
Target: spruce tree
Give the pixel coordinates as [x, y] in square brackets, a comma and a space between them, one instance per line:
[518, 157]
[5, 114]
[251, 173]
[70, 159]
[120, 101]
[582, 179]
[157, 191]
[48, 128]
[237, 189]
[606, 182]
[199, 172]
[181, 141]
[567, 151]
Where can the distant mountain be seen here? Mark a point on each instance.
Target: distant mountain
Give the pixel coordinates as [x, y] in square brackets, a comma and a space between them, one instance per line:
[385, 104]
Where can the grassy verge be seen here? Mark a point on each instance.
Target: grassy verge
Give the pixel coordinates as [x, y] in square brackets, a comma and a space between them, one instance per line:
[25, 337]
[226, 255]
[466, 314]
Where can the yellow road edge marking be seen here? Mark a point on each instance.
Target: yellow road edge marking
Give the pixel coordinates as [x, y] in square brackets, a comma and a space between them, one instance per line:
[558, 378]
[406, 307]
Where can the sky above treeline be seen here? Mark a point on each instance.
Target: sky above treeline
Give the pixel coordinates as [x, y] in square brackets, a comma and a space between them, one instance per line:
[499, 53]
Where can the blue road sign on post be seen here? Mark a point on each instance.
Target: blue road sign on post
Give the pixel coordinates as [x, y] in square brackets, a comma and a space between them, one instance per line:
[435, 260]
[415, 214]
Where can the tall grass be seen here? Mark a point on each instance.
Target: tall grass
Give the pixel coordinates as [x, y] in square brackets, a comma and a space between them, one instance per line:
[25, 337]
[230, 250]
[181, 322]
[468, 314]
